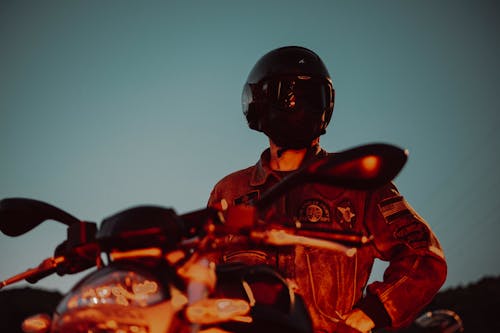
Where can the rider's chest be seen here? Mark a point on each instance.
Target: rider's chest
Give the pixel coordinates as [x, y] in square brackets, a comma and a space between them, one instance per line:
[326, 207]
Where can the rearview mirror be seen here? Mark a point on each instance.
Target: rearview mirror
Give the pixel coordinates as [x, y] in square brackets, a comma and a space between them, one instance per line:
[20, 215]
[362, 168]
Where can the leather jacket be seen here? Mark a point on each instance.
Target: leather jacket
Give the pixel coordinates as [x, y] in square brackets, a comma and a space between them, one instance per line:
[332, 284]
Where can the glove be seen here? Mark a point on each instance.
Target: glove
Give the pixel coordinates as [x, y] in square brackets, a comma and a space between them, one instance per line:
[342, 327]
[356, 321]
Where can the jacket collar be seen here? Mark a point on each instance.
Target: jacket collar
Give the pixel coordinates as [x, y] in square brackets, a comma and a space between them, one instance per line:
[262, 169]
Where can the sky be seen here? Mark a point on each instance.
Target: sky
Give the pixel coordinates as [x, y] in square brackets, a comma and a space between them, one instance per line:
[110, 104]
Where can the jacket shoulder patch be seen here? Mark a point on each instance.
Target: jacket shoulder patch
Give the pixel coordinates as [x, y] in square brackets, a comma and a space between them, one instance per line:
[406, 224]
[393, 208]
[346, 214]
[247, 198]
[314, 211]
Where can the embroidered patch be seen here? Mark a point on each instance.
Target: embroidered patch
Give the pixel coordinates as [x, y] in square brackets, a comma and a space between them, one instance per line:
[414, 233]
[314, 211]
[247, 198]
[407, 225]
[345, 214]
[394, 207]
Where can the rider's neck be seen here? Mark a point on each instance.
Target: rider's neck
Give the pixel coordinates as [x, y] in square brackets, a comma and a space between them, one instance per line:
[288, 159]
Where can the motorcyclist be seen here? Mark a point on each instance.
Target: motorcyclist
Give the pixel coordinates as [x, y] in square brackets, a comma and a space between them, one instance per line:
[289, 96]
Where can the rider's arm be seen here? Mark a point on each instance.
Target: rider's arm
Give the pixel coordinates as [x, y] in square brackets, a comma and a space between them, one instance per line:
[417, 267]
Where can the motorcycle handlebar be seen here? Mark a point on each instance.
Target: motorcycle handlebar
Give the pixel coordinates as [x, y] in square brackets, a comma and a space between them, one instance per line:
[32, 275]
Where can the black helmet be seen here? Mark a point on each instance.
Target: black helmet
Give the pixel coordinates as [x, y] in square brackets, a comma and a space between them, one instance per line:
[289, 96]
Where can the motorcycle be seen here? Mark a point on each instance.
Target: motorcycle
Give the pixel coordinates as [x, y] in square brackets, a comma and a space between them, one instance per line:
[439, 321]
[152, 267]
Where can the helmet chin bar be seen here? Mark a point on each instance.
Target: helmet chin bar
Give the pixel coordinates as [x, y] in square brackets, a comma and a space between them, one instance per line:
[296, 145]
[289, 133]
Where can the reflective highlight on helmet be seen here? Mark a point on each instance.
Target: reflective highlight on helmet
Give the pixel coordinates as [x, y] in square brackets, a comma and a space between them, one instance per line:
[290, 94]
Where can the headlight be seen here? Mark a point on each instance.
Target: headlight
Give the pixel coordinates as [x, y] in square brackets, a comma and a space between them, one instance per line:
[117, 300]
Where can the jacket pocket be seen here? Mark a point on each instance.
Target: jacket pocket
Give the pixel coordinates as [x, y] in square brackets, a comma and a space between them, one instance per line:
[330, 281]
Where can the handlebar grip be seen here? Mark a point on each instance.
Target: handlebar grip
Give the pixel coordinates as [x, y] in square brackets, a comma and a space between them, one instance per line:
[37, 277]
[32, 275]
[347, 239]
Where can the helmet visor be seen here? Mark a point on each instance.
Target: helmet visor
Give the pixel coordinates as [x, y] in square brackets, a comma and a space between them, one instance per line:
[298, 93]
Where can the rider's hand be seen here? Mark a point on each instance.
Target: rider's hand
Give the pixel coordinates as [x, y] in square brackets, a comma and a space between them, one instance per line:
[359, 321]
[343, 328]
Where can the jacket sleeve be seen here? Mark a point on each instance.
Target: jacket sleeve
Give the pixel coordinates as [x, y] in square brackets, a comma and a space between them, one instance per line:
[417, 266]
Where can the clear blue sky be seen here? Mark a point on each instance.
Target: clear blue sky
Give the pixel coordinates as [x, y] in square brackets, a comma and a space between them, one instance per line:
[109, 104]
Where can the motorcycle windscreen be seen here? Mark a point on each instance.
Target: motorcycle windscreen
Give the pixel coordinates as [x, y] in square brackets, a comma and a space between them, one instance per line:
[118, 300]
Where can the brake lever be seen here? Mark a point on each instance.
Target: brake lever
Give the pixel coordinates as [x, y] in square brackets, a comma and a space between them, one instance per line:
[32, 275]
[280, 237]
[281, 233]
